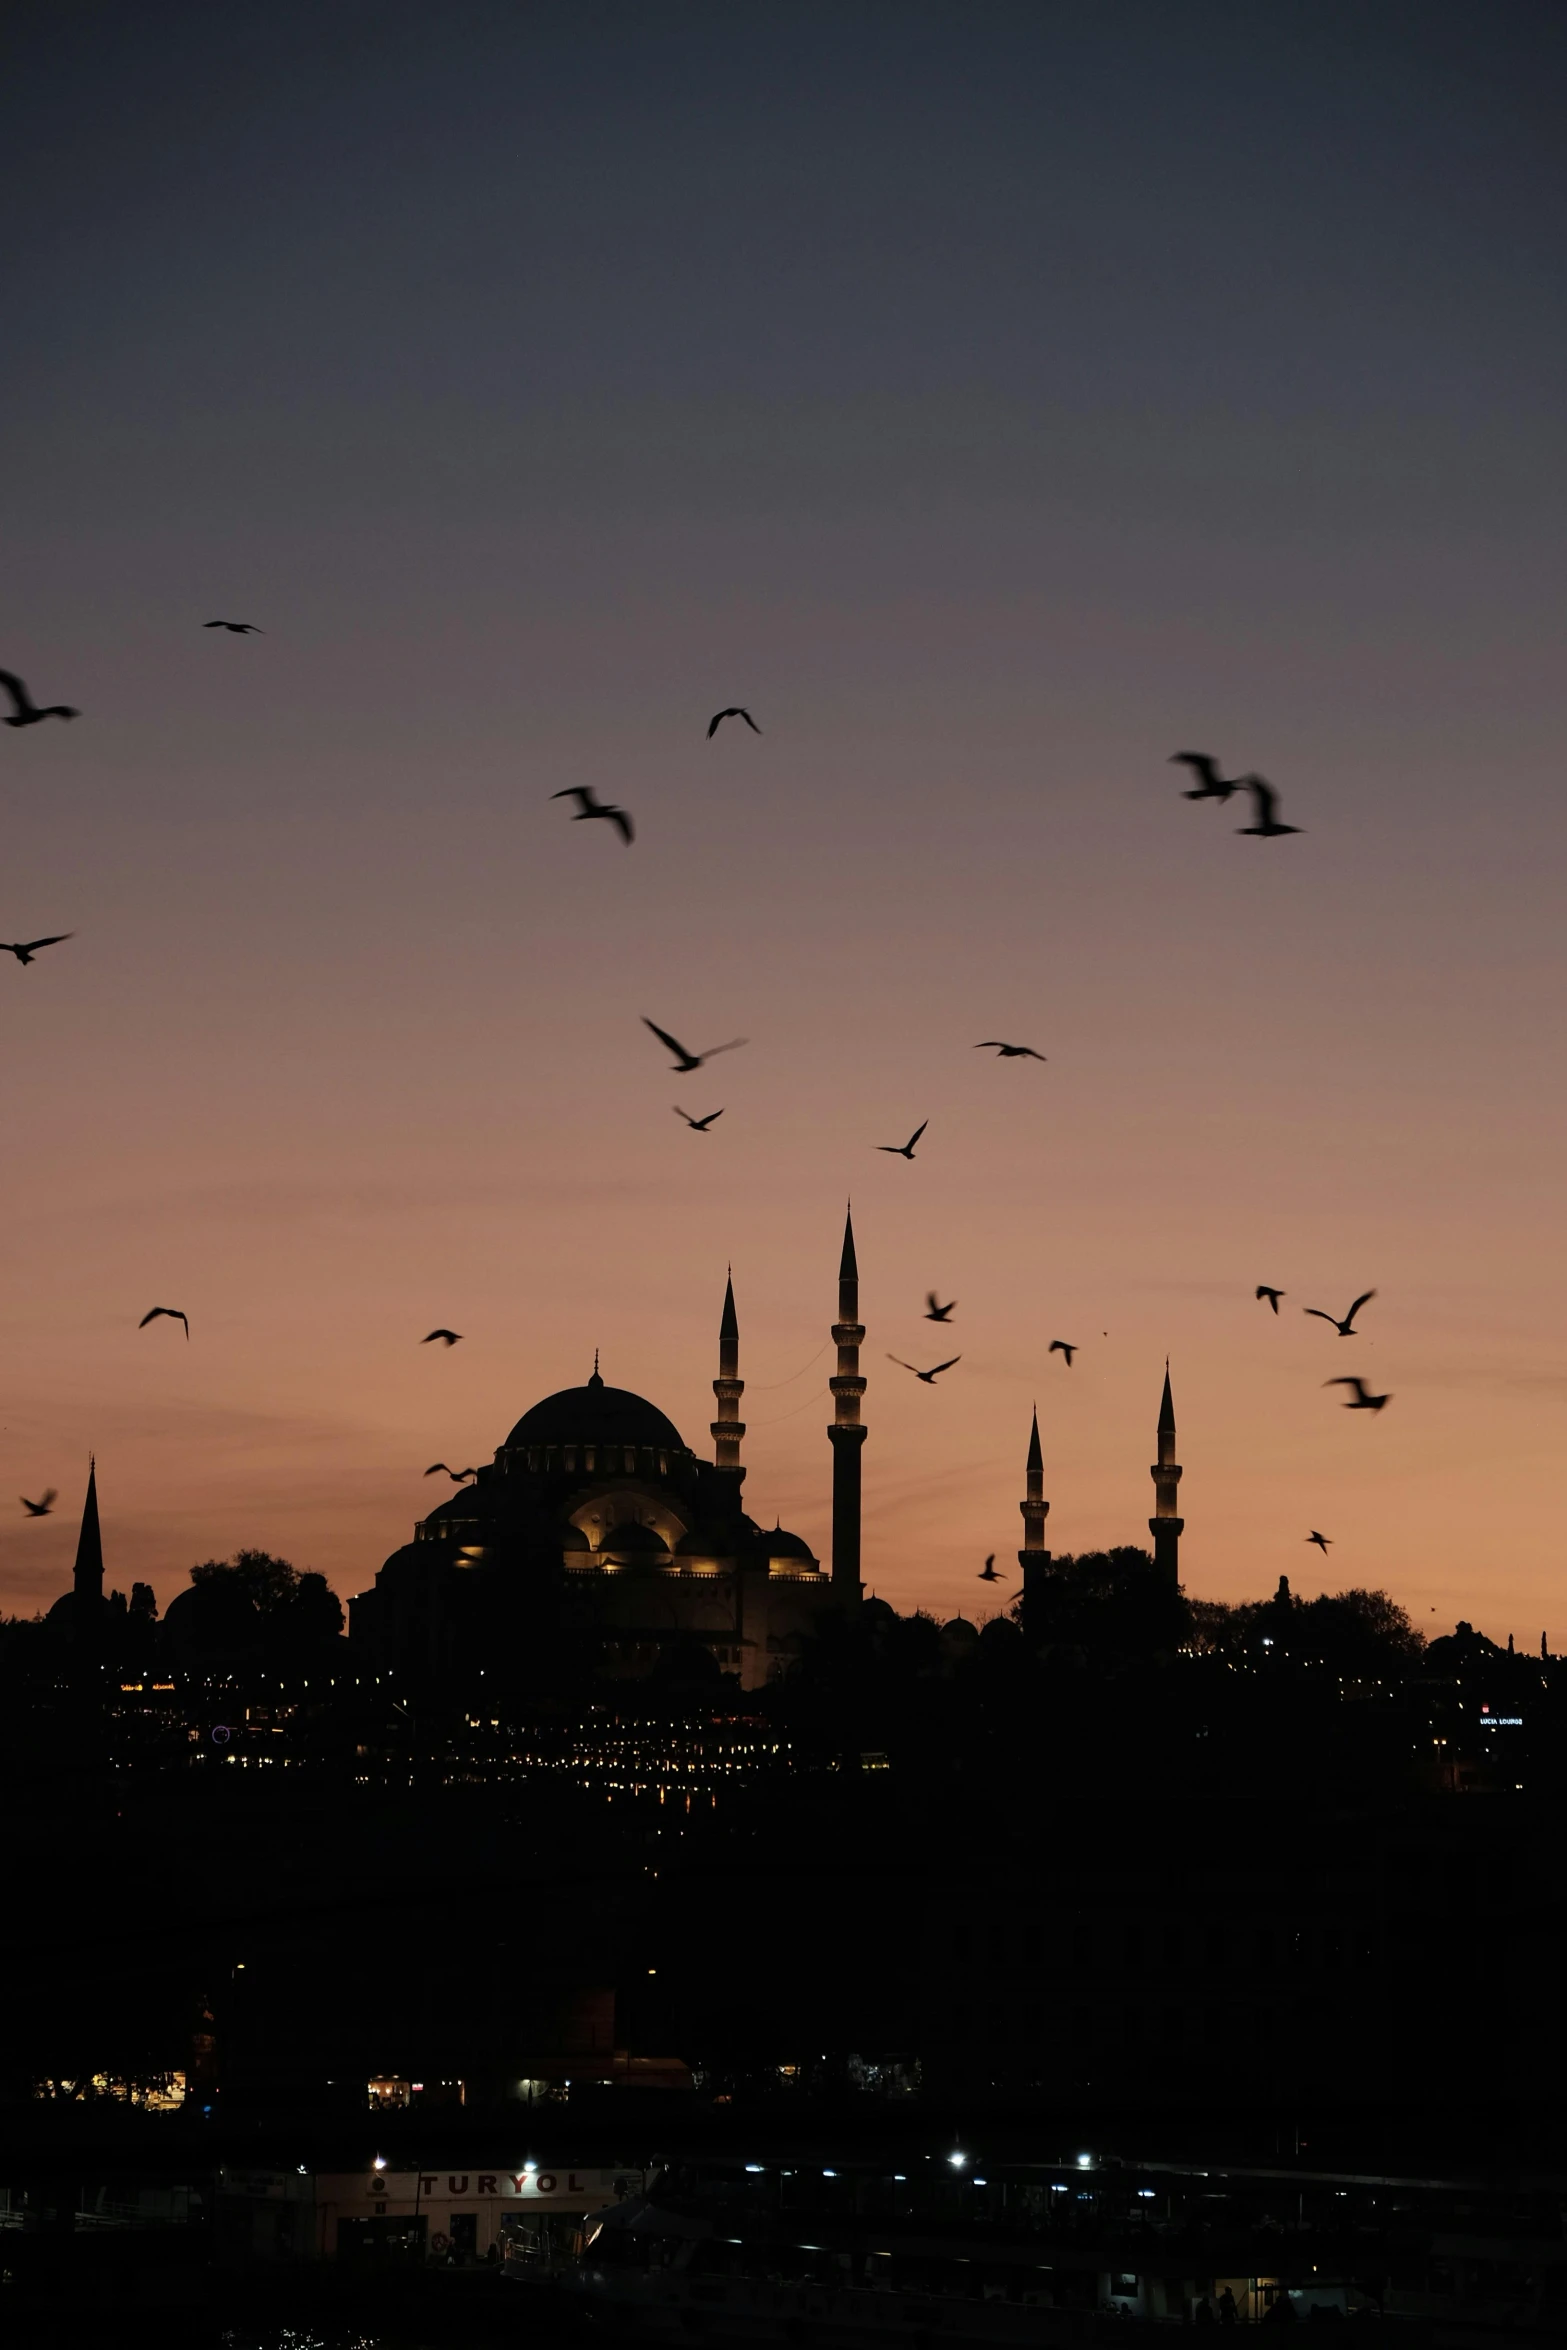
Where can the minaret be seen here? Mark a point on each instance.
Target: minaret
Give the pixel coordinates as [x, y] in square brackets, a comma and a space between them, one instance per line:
[1165, 1527]
[846, 1434]
[728, 1428]
[1033, 1558]
[87, 1580]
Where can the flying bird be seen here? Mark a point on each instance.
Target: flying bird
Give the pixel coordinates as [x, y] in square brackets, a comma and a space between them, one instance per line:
[173, 1313]
[734, 711]
[1360, 1401]
[236, 627]
[588, 807]
[1346, 1328]
[1009, 1052]
[987, 1573]
[1321, 1541]
[931, 1376]
[1272, 1295]
[40, 1509]
[935, 1312]
[903, 1150]
[25, 949]
[1059, 1346]
[1264, 800]
[446, 1337]
[28, 712]
[439, 1468]
[685, 1060]
[1211, 785]
[697, 1125]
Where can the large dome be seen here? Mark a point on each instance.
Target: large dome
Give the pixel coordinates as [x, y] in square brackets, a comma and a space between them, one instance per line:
[595, 1414]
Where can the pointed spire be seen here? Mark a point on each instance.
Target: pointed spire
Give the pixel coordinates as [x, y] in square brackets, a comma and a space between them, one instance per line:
[1167, 1405]
[1036, 1459]
[848, 1270]
[595, 1381]
[729, 1327]
[87, 1578]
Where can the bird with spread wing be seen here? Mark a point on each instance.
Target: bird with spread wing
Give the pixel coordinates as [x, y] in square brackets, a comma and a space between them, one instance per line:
[589, 807]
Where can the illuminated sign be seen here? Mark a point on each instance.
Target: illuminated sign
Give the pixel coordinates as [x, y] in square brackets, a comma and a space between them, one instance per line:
[566, 2188]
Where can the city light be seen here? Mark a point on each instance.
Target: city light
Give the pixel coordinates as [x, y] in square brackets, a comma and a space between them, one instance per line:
[1085, 2162]
[958, 2161]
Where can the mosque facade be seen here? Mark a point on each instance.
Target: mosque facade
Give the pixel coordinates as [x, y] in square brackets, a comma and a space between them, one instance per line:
[597, 1528]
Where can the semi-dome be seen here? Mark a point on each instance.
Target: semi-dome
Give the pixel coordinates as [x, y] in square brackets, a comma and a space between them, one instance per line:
[595, 1414]
[632, 1540]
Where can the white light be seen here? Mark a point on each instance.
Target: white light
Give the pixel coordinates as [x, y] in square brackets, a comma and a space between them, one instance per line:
[1147, 2190]
[958, 2161]
[380, 2162]
[302, 2171]
[1085, 2162]
[529, 2168]
[756, 2166]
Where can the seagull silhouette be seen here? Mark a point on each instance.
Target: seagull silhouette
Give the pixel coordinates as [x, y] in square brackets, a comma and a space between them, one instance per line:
[1361, 1400]
[686, 1060]
[1008, 1052]
[40, 1509]
[1272, 1295]
[588, 807]
[236, 627]
[935, 1312]
[439, 1468]
[173, 1313]
[903, 1150]
[931, 1376]
[1321, 1541]
[1059, 1346]
[1346, 1328]
[697, 1125]
[27, 948]
[1264, 800]
[734, 711]
[28, 712]
[1211, 784]
[987, 1573]
[446, 1337]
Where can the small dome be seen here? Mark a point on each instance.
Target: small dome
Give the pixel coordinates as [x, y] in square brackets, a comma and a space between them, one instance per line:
[959, 1634]
[698, 1545]
[632, 1540]
[781, 1544]
[573, 1538]
[595, 1414]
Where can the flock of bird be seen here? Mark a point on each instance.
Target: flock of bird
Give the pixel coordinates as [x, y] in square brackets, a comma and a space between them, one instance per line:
[1209, 785]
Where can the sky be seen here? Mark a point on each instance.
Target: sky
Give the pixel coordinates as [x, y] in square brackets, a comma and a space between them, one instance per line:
[995, 400]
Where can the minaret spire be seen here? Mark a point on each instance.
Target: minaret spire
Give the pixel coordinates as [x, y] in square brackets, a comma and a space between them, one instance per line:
[728, 1428]
[1033, 1558]
[846, 1435]
[1165, 1526]
[87, 1579]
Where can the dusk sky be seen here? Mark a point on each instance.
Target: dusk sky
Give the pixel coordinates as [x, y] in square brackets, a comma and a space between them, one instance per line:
[994, 400]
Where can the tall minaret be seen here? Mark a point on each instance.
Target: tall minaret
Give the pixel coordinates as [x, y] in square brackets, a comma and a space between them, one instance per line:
[1165, 1527]
[846, 1434]
[728, 1428]
[1033, 1558]
[87, 1579]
